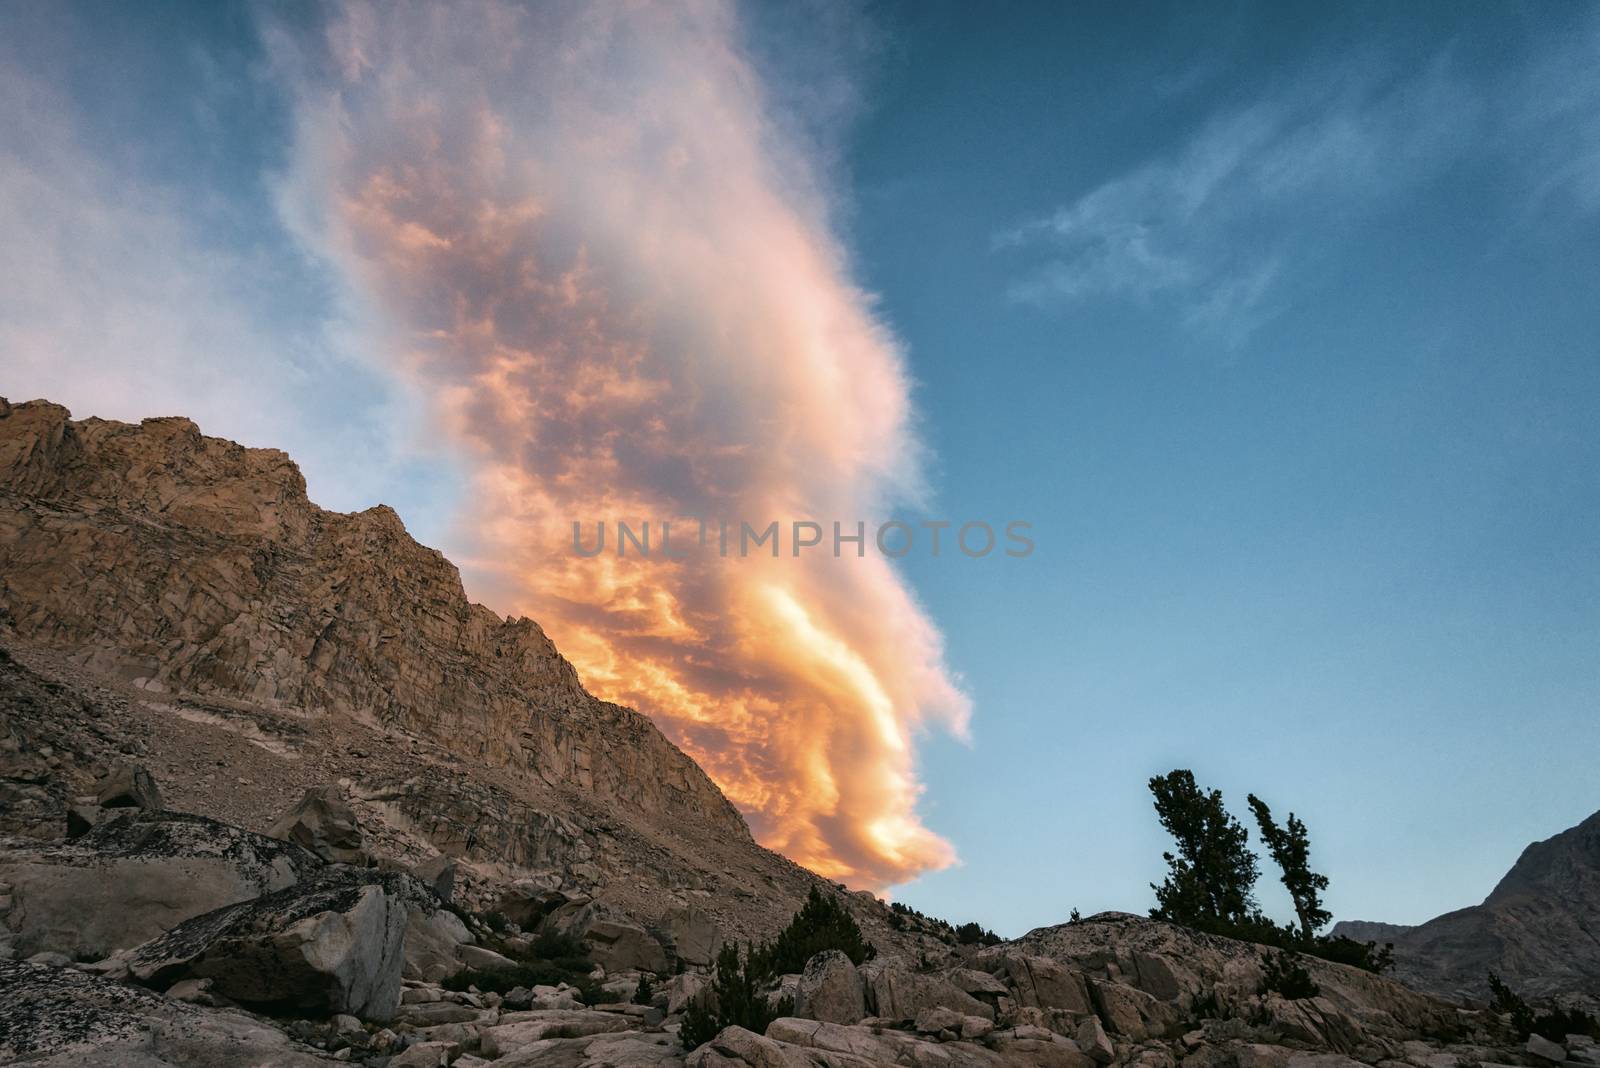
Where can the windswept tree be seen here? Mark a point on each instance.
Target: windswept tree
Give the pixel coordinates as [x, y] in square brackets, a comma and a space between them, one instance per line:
[1211, 875]
[1291, 849]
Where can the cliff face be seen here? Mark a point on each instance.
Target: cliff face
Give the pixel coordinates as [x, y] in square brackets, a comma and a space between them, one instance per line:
[190, 605]
[1539, 929]
[180, 563]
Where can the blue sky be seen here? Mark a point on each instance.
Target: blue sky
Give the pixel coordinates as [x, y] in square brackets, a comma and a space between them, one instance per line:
[1278, 323]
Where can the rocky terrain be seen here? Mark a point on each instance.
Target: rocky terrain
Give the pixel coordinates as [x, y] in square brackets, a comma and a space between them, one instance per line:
[1539, 929]
[178, 598]
[273, 792]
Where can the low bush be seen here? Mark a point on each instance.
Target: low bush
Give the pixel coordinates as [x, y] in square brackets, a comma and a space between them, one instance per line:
[822, 923]
[1283, 974]
[737, 1000]
[1555, 1024]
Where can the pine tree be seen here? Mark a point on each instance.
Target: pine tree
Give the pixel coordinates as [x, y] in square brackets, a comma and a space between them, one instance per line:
[1291, 849]
[1212, 875]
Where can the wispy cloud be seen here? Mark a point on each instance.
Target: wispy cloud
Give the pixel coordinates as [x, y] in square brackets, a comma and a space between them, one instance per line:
[1207, 232]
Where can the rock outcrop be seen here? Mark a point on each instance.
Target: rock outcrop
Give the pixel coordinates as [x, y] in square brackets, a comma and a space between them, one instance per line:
[332, 943]
[210, 622]
[133, 877]
[61, 1018]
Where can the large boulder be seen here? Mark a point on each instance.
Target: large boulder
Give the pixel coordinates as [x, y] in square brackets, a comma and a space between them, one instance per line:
[1039, 982]
[894, 993]
[130, 878]
[63, 1018]
[331, 944]
[323, 823]
[613, 942]
[433, 942]
[691, 935]
[129, 786]
[830, 989]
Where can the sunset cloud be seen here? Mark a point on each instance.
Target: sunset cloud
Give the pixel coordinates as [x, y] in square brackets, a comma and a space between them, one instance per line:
[589, 242]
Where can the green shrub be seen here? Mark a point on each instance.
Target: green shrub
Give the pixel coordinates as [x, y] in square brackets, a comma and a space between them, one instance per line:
[644, 993]
[737, 1000]
[550, 961]
[1555, 1024]
[822, 923]
[1284, 974]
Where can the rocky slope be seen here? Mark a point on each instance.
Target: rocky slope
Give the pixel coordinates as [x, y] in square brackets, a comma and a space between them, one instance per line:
[177, 597]
[1539, 929]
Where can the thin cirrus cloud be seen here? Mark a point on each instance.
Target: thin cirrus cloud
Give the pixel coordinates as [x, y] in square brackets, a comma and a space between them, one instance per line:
[1207, 232]
[584, 236]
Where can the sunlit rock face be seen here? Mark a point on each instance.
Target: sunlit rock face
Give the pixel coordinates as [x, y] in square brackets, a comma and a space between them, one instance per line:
[178, 597]
[181, 563]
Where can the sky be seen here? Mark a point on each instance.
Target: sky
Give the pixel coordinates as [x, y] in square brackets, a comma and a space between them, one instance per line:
[1277, 323]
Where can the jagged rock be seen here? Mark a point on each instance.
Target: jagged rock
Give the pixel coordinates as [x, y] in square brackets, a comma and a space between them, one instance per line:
[893, 993]
[1116, 950]
[332, 943]
[626, 1049]
[132, 877]
[1038, 1047]
[439, 875]
[1038, 981]
[690, 988]
[611, 941]
[433, 940]
[1091, 1039]
[880, 1047]
[830, 989]
[323, 823]
[63, 1018]
[1545, 1049]
[427, 1014]
[528, 900]
[484, 959]
[1132, 1013]
[129, 786]
[83, 818]
[978, 984]
[527, 1028]
[426, 1055]
[691, 935]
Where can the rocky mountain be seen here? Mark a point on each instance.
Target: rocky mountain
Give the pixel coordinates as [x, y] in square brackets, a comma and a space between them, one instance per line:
[178, 598]
[273, 791]
[1539, 929]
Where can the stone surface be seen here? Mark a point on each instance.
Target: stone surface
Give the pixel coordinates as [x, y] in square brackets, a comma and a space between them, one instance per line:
[332, 943]
[134, 876]
[691, 935]
[216, 619]
[1545, 1049]
[434, 939]
[322, 823]
[129, 786]
[62, 1018]
[895, 993]
[830, 989]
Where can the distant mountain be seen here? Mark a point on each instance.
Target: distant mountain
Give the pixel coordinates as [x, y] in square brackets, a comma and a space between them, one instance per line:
[1539, 929]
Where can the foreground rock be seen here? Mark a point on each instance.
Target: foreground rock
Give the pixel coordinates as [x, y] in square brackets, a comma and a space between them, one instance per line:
[331, 944]
[134, 876]
[60, 1018]
[323, 824]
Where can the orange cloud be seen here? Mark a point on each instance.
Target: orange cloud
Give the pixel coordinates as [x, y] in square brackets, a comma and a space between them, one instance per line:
[587, 240]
